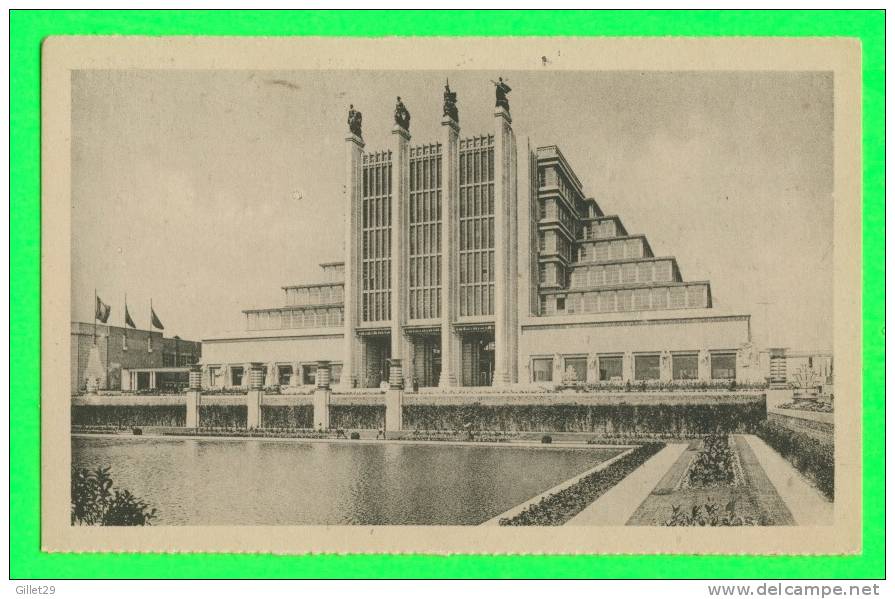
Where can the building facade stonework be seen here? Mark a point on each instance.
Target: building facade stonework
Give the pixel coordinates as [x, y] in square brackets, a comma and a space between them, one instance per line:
[470, 267]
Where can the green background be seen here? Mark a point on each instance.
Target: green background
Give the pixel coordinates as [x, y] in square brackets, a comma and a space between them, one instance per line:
[29, 28]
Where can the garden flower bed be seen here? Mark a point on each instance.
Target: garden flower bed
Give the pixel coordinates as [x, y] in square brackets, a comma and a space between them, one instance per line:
[716, 482]
[558, 508]
[825, 407]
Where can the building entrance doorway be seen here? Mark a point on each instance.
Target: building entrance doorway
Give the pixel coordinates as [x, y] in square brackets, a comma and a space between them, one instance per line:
[426, 367]
[478, 359]
[377, 351]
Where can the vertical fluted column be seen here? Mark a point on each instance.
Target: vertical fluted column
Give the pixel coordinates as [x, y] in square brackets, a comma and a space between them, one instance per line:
[354, 153]
[400, 186]
[450, 201]
[505, 245]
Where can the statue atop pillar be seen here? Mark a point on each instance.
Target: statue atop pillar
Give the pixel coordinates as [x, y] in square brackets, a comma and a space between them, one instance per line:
[402, 115]
[501, 89]
[355, 119]
[450, 103]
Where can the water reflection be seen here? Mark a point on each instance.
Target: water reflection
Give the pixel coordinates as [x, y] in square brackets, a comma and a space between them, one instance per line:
[212, 481]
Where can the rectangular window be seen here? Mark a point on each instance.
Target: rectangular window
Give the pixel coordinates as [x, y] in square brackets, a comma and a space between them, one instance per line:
[236, 376]
[335, 373]
[646, 368]
[284, 374]
[542, 369]
[214, 376]
[610, 368]
[560, 304]
[684, 367]
[575, 370]
[309, 374]
[724, 366]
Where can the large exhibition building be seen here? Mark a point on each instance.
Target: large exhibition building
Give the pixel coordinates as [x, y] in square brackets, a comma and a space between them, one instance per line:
[470, 261]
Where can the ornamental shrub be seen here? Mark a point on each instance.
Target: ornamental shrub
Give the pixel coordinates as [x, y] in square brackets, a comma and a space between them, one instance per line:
[95, 502]
[546, 439]
[808, 455]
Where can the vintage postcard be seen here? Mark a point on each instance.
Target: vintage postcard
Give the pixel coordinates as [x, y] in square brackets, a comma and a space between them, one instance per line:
[451, 295]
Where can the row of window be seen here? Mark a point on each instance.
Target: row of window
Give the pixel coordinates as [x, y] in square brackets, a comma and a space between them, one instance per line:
[553, 274]
[178, 360]
[551, 242]
[238, 376]
[616, 249]
[627, 300]
[425, 173]
[294, 319]
[476, 164]
[617, 274]
[553, 210]
[311, 296]
[551, 177]
[647, 367]
[599, 229]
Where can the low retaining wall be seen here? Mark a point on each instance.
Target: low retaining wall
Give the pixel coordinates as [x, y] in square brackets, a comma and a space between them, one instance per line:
[822, 431]
[669, 414]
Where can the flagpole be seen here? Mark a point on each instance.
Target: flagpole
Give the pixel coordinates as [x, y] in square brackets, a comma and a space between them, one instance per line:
[95, 302]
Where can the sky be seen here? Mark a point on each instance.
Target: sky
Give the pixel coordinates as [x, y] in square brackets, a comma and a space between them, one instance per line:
[207, 191]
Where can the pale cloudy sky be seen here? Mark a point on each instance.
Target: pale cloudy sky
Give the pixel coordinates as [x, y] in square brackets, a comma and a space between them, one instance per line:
[207, 191]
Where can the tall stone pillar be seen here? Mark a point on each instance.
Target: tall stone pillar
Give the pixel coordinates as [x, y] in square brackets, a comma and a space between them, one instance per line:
[354, 155]
[394, 408]
[400, 187]
[450, 246]
[506, 315]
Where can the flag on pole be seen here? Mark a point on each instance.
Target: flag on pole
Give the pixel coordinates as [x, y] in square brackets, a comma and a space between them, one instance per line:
[128, 320]
[155, 320]
[102, 311]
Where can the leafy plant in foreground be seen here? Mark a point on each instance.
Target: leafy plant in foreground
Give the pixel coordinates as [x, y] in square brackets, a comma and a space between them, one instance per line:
[95, 502]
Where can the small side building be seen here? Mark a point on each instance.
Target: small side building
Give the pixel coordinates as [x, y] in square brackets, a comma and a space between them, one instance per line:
[117, 358]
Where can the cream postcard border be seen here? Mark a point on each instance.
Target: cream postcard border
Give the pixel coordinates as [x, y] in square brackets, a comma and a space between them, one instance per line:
[62, 55]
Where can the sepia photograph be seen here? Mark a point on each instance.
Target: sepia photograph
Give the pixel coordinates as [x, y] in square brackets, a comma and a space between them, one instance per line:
[530, 296]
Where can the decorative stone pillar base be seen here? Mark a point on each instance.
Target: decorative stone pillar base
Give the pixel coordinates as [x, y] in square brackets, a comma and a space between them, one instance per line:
[253, 408]
[195, 377]
[593, 374]
[256, 376]
[395, 374]
[704, 366]
[324, 375]
[322, 398]
[628, 367]
[665, 372]
[394, 410]
[193, 398]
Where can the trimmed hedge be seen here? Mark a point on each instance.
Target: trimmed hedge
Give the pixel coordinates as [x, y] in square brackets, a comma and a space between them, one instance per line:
[675, 420]
[558, 508]
[287, 416]
[809, 456]
[357, 416]
[128, 416]
[223, 416]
